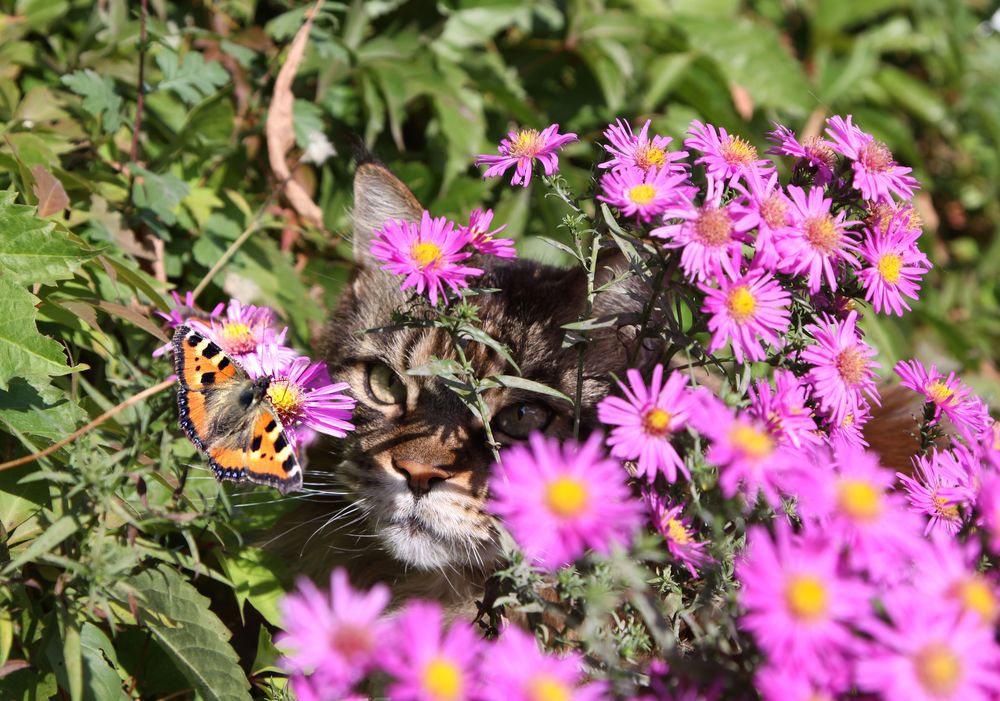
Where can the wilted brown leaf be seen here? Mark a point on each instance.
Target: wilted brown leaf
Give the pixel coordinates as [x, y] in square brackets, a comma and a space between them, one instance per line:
[50, 192]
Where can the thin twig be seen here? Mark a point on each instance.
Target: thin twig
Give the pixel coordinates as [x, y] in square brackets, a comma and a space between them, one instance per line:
[93, 424]
[141, 96]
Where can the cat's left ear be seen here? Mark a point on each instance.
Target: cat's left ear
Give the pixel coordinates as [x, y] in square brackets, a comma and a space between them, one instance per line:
[379, 196]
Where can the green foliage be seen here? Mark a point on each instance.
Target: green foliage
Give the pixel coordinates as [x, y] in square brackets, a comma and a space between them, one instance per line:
[95, 533]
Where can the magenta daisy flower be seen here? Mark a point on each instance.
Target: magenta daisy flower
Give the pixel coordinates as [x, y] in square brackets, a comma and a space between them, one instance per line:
[876, 174]
[676, 530]
[711, 240]
[528, 674]
[764, 206]
[332, 640]
[302, 393]
[842, 368]
[927, 652]
[799, 607]
[988, 510]
[243, 330]
[851, 429]
[939, 488]
[521, 148]
[814, 151]
[783, 409]
[182, 312]
[427, 253]
[746, 311]
[483, 240]
[429, 662]
[629, 150]
[559, 500]
[646, 419]
[947, 571]
[895, 265]
[643, 194]
[948, 394]
[725, 156]
[818, 241]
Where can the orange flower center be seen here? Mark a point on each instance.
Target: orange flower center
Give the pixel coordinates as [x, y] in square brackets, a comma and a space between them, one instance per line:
[819, 150]
[526, 144]
[656, 422]
[772, 211]
[938, 669]
[738, 152]
[648, 156]
[939, 392]
[822, 233]
[713, 227]
[852, 366]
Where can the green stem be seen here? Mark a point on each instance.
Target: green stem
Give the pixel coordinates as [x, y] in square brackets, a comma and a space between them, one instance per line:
[473, 381]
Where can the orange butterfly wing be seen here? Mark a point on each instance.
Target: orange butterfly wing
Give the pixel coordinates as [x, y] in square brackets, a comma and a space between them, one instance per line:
[200, 365]
[268, 459]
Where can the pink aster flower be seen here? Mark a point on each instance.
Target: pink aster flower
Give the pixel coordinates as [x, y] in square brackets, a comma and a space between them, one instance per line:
[427, 253]
[528, 674]
[894, 265]
[939, 487]
[428, 661]
[947, 571]
[777, 681]
[521, 148]
[629, 150]
[764, 206]
[988, 510]
[746, 311]
[818, 241]
[181, 314]
[302, 393]
[676, 530]
[842, 368]
[927, 652]
[711, 240]
[483, 240]
[559, 500]
[799, 607]
[948, 394]
[783, 409]
[332, 640]
[243, 330]
[851, 429]
[725, 156]
[876, 174]
[646, 419]
[815, 152]
[846, 493]
[643, 194]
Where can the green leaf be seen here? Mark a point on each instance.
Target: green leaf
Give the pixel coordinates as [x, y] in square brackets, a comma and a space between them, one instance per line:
[99, 97]
[72, 654]
[101, 681]
[24, 352]
[191, 77]
[307, 118]
[160, 193]
[31, 251]
[513, 382]
[257, 577]
[52, 536]
[476, 334]
[184, 626]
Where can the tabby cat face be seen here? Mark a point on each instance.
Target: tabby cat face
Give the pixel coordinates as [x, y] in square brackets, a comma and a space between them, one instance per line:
[418, 465]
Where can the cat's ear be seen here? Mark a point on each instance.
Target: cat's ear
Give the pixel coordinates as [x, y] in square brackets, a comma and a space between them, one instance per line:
[379, 196]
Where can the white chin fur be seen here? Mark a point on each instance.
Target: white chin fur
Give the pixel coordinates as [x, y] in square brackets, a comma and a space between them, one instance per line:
[424, 550]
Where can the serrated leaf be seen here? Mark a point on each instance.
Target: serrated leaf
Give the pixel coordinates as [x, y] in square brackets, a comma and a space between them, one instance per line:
[184, 627]
[99, 97]
[160, 193]
[31, 251]
[192, 78]
[24, 352]
[513, 382]
[51, 194]
[257, 577]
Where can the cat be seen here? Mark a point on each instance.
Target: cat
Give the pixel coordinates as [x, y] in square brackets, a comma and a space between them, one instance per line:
[415, 470]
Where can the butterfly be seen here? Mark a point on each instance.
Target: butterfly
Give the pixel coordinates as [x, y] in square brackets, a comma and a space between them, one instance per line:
[226, 414]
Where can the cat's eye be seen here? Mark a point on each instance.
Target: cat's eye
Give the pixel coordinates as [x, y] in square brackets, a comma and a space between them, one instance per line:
[521, 419]
[384, 385]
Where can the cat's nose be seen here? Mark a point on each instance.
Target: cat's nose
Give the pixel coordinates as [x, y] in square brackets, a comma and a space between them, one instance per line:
[420, 477]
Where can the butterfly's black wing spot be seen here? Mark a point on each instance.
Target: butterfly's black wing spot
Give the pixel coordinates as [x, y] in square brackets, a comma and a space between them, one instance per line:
[289, 463]
[280, 443]
[223, 364]
[193, 340]
[208, 378]
[255, 444]
[270, 426]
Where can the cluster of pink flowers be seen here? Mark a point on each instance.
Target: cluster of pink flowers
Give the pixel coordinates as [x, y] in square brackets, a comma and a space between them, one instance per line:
[334, 641]
[429, 253]
[300, 390]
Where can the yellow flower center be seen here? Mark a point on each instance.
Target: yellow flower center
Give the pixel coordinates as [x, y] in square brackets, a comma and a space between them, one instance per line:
[876, 157]
[822, 233]
[806, 597]
[526, 144]
[975, 594]
[442, 679]
[772, 211]
[738, 152]
[938, 669]
[713, 227]
[677, 532]
[945, 511]
[656, 422]
[939, 392]
[649, 156]
[754, 443]
[741, 304]
[859, 500]
[879, 215]
[237, 338]
[889, 266]
[286, 398]
[566, 497]
[642, 194]
[425, 254]
[852, 366]
[546, 688]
